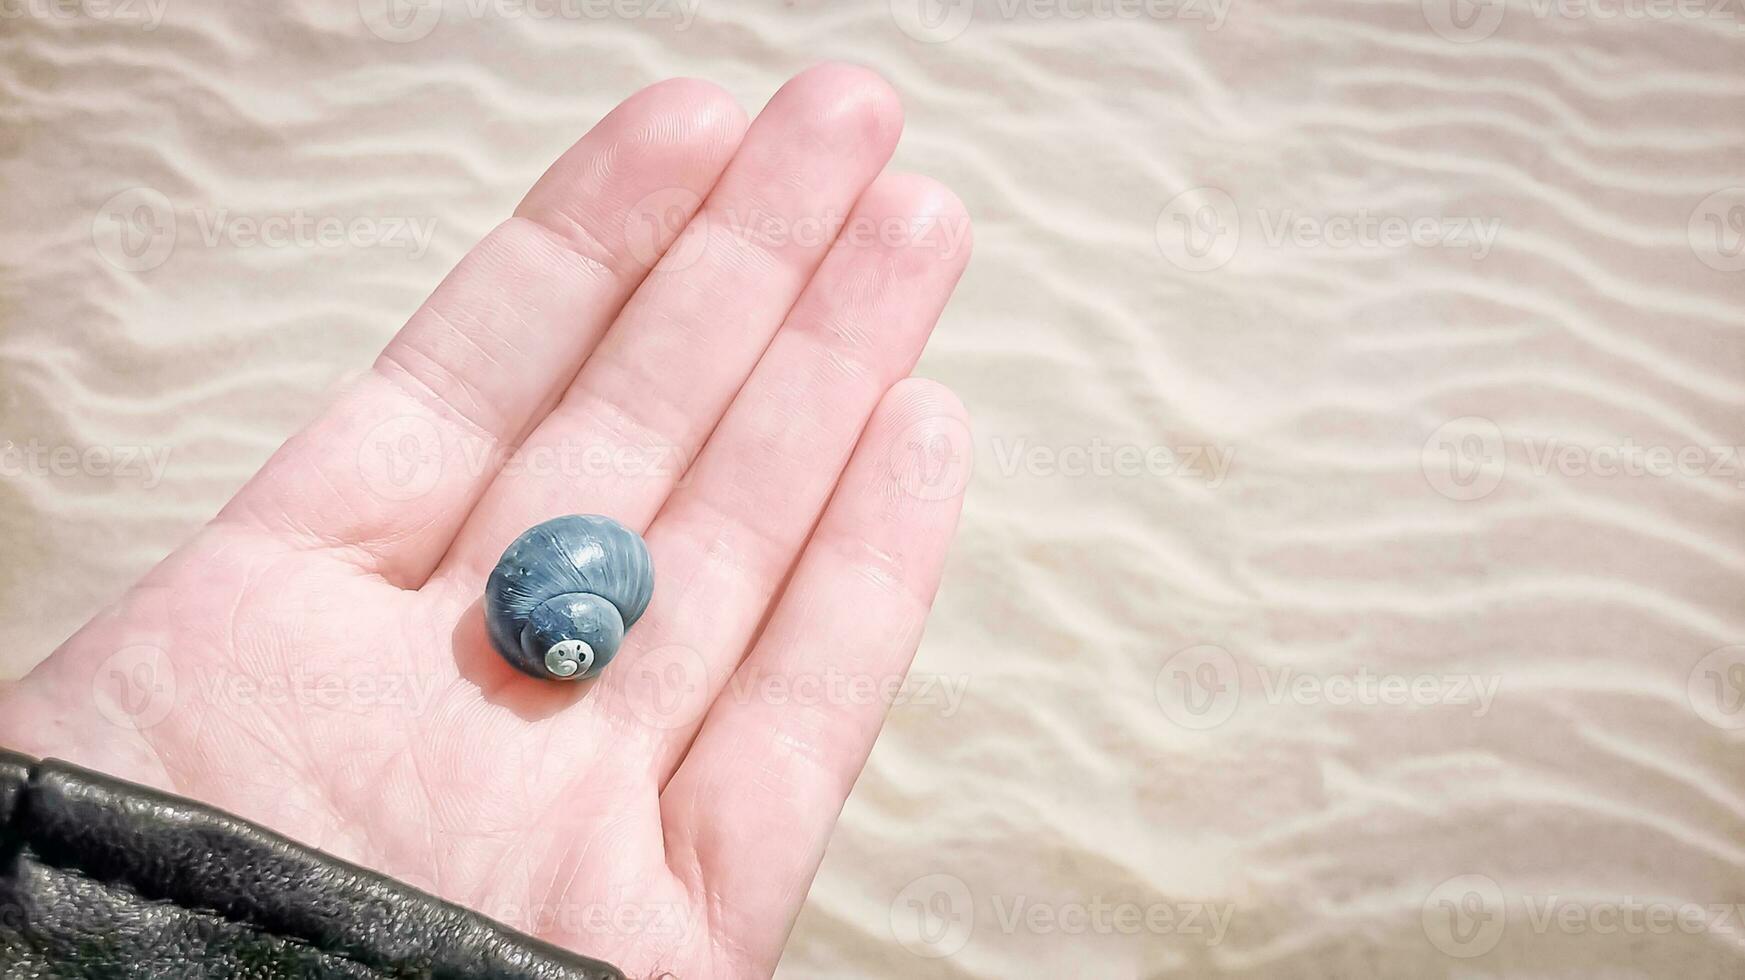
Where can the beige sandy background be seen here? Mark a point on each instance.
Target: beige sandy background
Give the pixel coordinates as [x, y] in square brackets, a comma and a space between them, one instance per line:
[1351, 577]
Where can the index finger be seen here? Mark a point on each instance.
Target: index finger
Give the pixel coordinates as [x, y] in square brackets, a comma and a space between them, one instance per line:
[388, 472]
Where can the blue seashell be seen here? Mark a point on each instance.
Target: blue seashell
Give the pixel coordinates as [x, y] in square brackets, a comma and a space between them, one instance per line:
[562, 595]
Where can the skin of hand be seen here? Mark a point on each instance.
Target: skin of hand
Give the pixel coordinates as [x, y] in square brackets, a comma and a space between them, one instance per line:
[699, 326]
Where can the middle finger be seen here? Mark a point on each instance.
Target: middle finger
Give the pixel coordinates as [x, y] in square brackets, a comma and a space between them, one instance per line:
[663, 376]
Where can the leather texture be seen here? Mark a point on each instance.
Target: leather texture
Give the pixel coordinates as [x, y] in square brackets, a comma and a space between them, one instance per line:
[103, 878]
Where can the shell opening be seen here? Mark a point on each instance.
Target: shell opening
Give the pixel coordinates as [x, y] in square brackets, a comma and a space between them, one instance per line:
[569, 659]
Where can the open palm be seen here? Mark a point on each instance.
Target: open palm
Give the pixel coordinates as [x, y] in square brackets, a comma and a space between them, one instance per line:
[698, 328]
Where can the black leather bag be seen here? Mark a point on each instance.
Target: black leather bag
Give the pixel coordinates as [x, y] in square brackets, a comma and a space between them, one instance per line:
[103, 878]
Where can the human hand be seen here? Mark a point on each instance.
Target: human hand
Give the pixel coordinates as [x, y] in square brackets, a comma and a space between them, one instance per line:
[315, 660]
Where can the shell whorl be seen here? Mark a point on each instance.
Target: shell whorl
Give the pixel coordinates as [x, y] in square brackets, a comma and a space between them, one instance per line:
[567, 658]
[563, 594]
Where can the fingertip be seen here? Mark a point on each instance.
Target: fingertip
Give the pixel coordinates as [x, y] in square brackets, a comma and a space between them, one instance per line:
[839, 97]
[649, 162]
[919, 448]
[918, 400]
[691, 105]
[918, 195]
[932, 219]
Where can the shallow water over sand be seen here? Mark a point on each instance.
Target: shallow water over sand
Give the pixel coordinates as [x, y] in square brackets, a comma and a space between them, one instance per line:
[1354, 514]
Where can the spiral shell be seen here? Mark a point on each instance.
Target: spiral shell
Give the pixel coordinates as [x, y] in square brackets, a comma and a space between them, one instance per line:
[563, 594]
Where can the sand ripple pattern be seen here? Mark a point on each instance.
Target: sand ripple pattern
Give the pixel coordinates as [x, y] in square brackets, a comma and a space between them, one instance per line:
[1350, 584]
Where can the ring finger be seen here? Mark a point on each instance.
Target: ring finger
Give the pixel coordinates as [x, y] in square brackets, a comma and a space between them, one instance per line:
[731, 533]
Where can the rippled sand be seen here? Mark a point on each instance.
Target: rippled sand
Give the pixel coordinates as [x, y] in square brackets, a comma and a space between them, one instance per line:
[1301, 625]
